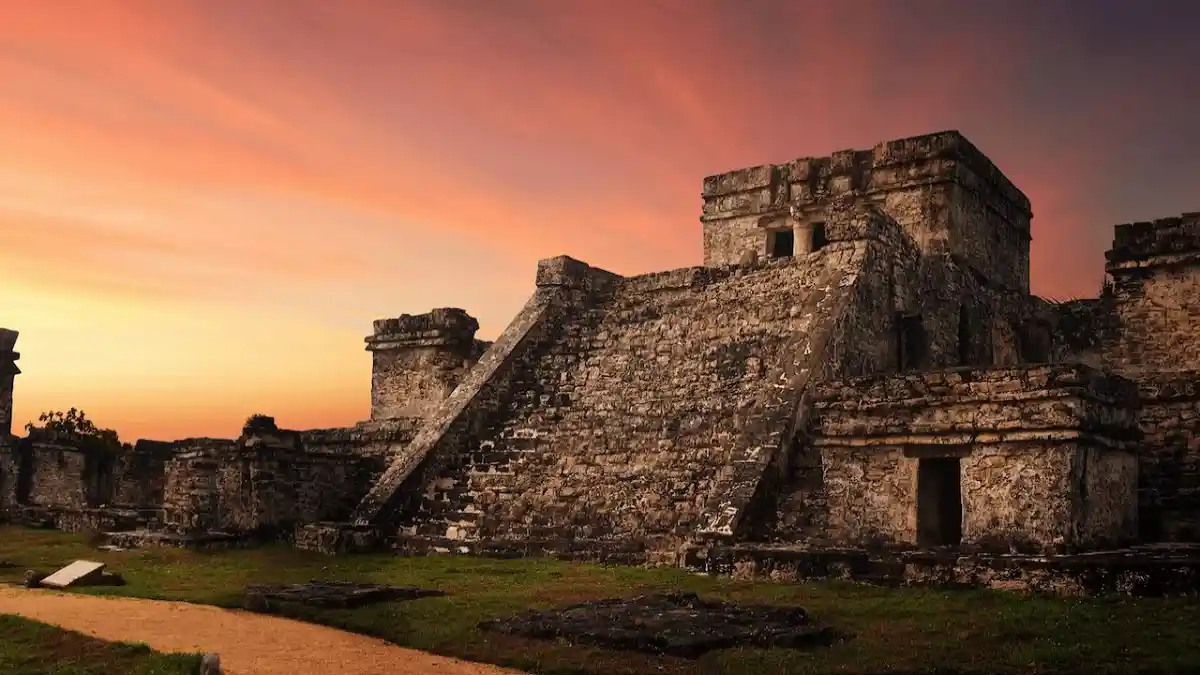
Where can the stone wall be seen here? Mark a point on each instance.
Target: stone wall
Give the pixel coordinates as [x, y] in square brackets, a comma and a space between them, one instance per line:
[191, 491]
[1148, 314]
[1170, 457]
[139, 474]
[67, 475]
[10, 464]
[64, 475]
[1145, 325]
[945, 193]
[1043, 457]
[1154, 296]
[268, 480]
[8, 372]
[419, 360]
[9, 468]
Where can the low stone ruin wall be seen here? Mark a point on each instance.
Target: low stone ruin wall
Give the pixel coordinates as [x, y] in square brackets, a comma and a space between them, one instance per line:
[246, 487]
[1041, 457]
[139, 475]
[1137, 571]
[265, 479]
[9, 467]
[64, 476]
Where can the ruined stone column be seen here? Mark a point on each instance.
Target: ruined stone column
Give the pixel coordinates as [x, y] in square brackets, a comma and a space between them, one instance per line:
[803, 233]
[8, 372]
[418, 360]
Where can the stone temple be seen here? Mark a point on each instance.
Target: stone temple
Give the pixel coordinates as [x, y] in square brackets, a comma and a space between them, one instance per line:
[857, 365]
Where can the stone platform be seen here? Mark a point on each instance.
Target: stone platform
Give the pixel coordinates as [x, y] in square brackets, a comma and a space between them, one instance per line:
[201, 540]
[105, 519]
[342, 594]
[672, 624]
[1149, 570]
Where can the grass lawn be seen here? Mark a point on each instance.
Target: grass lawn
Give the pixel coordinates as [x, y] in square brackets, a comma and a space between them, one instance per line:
[32, 648]
[906, 630]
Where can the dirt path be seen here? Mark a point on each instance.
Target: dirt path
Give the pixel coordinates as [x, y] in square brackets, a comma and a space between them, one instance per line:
[248, 643]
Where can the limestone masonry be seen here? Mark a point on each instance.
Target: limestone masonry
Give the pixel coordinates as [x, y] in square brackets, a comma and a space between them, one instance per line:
[857, 364]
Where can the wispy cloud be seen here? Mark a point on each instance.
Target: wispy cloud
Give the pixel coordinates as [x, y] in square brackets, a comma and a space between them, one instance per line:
[203, 203]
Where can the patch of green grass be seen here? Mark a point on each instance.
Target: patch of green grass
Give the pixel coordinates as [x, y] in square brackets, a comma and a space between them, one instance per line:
[907, 630]
[32, 648]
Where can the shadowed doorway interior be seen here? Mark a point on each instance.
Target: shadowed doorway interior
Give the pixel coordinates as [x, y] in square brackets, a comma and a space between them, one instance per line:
[939, 501]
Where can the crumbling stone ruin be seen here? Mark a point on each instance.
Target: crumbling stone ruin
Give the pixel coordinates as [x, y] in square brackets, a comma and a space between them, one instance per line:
[677, 624]
[858, 364]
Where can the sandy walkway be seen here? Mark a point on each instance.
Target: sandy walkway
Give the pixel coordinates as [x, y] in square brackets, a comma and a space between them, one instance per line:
[248, 643]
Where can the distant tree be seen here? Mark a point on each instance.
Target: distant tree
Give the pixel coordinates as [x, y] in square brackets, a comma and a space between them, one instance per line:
[73, 426]
[260, 422]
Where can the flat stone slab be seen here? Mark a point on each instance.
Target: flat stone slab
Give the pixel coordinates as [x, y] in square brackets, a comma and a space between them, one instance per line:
[77, 573]
[678, 624]
[335, 593]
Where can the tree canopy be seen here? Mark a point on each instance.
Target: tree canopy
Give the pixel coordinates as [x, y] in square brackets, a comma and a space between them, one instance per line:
[73, 426]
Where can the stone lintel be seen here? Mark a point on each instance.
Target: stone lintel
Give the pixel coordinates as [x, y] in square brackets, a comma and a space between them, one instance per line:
[995, 383]
[961, 443]
[1189, 259]
[972, 406]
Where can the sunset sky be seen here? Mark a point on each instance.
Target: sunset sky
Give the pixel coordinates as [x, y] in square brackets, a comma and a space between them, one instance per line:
[204, 203]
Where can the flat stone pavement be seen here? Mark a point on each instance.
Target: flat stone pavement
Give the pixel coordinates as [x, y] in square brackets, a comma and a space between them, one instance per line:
[248, 643]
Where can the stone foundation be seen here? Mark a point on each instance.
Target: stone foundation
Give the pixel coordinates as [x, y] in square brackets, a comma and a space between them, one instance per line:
[1139, 571]
[94, 520]
[335, 538]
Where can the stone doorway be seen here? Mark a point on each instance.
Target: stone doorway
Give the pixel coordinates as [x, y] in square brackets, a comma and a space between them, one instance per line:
[939, 501]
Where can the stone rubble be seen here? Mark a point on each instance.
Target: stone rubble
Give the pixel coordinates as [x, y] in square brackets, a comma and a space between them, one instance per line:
[677, 624]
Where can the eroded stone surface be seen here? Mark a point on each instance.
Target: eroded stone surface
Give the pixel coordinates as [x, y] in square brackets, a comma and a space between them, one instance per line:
[1150, 570]
[673, 624]
[333, 594]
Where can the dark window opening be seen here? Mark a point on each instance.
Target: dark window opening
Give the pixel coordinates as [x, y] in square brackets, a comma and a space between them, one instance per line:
[1033, 344]
[964, 337]
[911, 343]
[783, 244]
[939, 501]
[819, 238]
